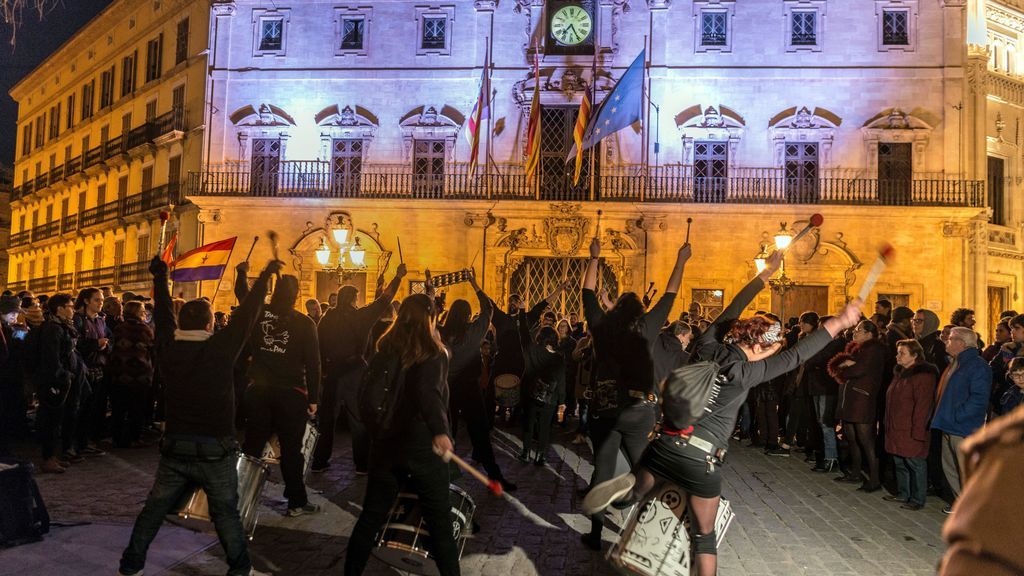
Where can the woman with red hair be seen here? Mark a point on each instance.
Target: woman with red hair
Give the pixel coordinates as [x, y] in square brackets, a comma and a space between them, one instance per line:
[745, 354]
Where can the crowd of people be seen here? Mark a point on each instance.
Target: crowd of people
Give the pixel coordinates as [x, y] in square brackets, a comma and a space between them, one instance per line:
[882, 402]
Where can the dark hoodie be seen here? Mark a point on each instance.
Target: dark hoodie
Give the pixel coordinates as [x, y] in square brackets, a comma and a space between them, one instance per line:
[934, 349]
[284, 342]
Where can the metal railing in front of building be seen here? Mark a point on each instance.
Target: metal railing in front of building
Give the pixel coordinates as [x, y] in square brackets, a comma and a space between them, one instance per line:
[669, 184]
[96, 277]
[134, 273]
[65, 281]
[175, 120]
[44, 284]
[119, 277]
[152, 199]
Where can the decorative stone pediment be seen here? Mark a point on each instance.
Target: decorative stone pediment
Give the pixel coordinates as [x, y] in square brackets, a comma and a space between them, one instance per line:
[264, 121]
[709, 122]
[893, 125]
[348, 122]
[431, 122]
[804, 125]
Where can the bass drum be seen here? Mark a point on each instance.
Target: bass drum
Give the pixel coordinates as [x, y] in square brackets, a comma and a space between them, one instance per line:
[656, 538]
[252, 474]
[506, 390]
[404, 541]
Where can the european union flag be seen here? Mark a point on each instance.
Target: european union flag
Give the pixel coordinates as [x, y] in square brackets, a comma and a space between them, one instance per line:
[622, 107]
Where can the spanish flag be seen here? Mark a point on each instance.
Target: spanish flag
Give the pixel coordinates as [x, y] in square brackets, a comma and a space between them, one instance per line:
[533, 127]
[204, 263]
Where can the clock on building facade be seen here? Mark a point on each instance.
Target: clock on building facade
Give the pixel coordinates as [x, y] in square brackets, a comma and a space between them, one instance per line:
[570, 27]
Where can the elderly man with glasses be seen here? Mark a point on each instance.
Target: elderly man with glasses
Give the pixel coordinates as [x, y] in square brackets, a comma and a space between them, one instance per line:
[961, 400]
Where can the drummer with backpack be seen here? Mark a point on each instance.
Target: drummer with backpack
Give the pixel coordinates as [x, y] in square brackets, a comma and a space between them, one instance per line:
[403, 401]
[701, 403]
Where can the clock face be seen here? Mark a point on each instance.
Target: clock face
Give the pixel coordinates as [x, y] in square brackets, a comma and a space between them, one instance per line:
[571, 25]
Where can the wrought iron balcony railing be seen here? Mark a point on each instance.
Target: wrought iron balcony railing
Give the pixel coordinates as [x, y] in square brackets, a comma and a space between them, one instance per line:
[118, 277]
[671, 184]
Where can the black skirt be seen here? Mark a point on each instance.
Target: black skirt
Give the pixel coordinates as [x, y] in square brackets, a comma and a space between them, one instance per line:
[684, 467]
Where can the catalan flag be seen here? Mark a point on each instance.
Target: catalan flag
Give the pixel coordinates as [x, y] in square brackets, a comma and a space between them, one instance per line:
[168, 253]
[204, 263]
[533, 128]
[582, 119]
[481, 111]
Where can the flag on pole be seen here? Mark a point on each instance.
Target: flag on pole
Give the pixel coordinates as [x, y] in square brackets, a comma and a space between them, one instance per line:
[168, 254]
[621, 108]
[582, 119]
[481, 111]
[204, 263]
[533, 128]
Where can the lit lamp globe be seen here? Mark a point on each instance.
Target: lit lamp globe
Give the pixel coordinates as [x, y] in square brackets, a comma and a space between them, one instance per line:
[323, 253]
[783, 238]
[358, 255]
[760, 261]
[340, 235]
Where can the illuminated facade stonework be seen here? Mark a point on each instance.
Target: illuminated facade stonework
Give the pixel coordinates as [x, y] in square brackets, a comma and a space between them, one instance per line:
[894, 120]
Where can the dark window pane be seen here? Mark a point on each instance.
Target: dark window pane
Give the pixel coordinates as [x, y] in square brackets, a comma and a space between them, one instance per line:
[895, 27]
[804, 29]
[352, 34]
[271, 34]
[713, 29]
[434, 30]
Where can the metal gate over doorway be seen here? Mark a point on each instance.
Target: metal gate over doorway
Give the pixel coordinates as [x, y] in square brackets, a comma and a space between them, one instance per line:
[538, 277]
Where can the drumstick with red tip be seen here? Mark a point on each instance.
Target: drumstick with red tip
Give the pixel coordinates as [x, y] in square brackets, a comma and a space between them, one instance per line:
[164, 217]
[815, 222]
[885, 254]
[493, 485]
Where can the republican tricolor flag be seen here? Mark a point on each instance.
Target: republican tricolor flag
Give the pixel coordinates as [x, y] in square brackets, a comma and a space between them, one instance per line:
[481, 112]
[204, 263]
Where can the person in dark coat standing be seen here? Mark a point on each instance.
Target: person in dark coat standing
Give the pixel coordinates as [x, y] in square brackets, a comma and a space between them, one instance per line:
[57, 373]
[910, 399]
[94, 346]
[544, 384]
[824, 391]
[344, 336]
[130, 375]
[928, 332]
[12, 374]
[859, 372]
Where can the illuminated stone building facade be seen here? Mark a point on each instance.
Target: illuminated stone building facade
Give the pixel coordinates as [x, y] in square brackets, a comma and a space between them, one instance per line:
[898, 120]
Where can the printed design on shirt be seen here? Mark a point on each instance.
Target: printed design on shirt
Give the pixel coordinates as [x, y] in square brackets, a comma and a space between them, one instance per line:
[274, 338]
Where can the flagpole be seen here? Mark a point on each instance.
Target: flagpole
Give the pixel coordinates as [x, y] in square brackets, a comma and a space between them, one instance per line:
[213, 301]
[594, 109]
[646, 121]
[489, 69]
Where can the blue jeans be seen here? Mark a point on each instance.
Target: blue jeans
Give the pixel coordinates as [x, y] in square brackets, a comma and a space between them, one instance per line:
[912, 478]
[822, 404]
[219, 479]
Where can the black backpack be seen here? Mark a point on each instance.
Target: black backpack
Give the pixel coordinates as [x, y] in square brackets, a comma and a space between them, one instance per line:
[379, 392]
[689, 392]
[23, 516]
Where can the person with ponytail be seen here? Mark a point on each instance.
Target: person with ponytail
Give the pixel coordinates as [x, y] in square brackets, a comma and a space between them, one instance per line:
[747, 355]
[285, 390]
[408, 456]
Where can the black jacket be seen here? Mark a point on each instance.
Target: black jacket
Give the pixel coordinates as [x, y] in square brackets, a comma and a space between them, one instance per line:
[545, 369]
[58, 365]
[286, 353]
[199, 397]
[668, 355]
[344, 335]
[465, 352]
[935, 351]
[423, 403]
[508, 358]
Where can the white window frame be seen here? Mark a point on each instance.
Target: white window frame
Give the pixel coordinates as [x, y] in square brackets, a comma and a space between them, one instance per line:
[908, 6]
[365, 13]
[817, 7]
[260, 15]
[727, 7]
[435, 11]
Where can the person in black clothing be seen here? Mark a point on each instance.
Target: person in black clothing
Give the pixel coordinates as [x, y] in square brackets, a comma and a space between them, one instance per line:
[692, 458]
[344, 334]
[670, 349]
[58, 372]
[622, 407]
[199, 446]
[285, 372]
[544, 387]
[463, 337]
[94, 345]
[409, 452]
[12, 377]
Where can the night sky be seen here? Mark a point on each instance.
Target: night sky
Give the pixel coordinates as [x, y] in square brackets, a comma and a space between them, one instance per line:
[36, 41]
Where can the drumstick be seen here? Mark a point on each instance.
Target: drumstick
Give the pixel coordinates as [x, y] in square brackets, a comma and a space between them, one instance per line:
[688, 222]
[885, 254]
[493, 485]
[400, 259]
[254, 241]
[815, 221]
[164, 216]
[597, 229]
[273, 243]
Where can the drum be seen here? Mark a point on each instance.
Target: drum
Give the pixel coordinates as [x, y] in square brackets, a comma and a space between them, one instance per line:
[404, 541]
[655, 540]
[272, 451]
[252, 473]
[506, 390]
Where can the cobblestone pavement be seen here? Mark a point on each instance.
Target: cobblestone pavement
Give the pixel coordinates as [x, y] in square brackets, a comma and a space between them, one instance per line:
[789, 521]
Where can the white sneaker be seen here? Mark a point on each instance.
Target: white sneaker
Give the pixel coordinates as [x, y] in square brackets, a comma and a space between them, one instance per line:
[602, 495]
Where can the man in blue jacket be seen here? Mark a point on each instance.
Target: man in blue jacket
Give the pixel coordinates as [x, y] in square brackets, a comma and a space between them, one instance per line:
[961, 400]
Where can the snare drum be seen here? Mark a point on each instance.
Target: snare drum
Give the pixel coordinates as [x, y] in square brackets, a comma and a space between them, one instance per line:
[506, 390]
[272, 450]
[252, 473]
[404, 541]
[656, 539]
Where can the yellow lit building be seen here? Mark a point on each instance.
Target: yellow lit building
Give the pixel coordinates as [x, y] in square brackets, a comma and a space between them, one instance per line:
[342, 126]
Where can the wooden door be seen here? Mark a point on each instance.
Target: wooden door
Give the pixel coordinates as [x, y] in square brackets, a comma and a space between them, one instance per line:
[800, 299]
[895, 173]
[265, 165]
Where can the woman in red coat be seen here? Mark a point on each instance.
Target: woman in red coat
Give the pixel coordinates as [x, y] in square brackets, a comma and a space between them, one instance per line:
[909, 402]
[859, 372]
